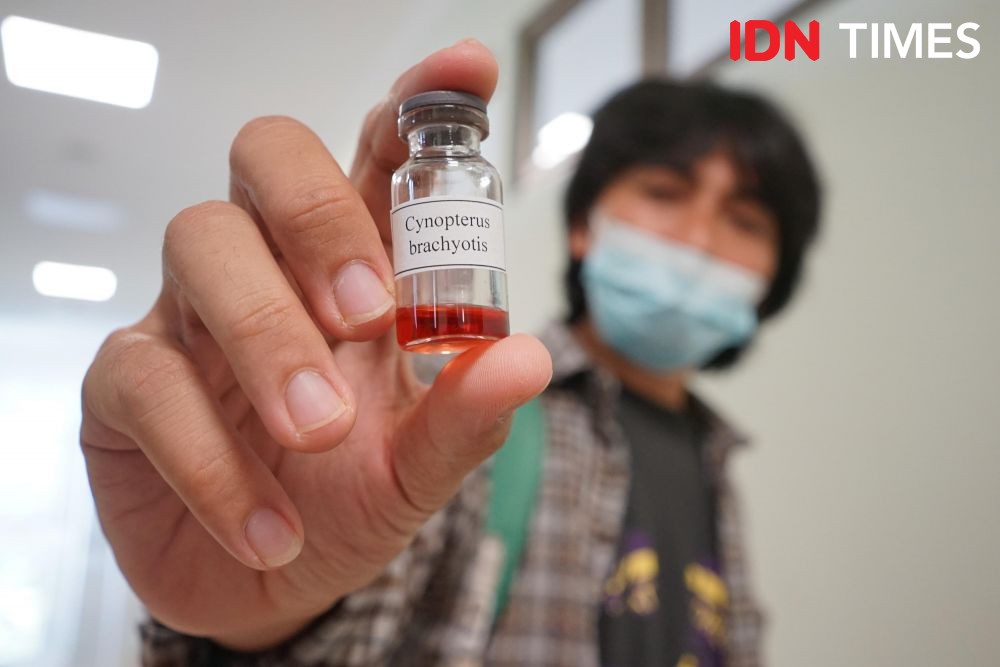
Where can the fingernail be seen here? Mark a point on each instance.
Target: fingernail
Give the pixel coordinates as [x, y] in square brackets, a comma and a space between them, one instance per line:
[360, 294]
[271, 538]
[312, 402]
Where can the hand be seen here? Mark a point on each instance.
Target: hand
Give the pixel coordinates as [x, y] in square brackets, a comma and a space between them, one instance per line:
[258, 446]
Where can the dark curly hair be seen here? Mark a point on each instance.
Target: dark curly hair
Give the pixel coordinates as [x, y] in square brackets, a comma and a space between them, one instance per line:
[672, 123]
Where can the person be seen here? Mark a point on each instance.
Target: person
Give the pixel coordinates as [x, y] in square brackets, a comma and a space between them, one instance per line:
[279, 487]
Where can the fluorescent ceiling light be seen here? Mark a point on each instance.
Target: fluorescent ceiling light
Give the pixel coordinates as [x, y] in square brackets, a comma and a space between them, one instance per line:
[67, 211]
[561, 137]
[89, 65]
[73, 281]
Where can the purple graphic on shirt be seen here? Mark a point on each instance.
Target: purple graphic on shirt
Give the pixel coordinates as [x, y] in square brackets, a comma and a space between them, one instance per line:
[705, 637]
[632, 589]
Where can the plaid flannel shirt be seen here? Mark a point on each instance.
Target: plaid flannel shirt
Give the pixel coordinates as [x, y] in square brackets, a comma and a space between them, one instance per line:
[433, 604]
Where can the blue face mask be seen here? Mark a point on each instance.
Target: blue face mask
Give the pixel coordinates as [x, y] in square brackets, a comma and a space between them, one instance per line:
[663, 304]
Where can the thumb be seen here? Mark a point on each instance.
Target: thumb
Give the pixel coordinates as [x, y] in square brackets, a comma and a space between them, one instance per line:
[465, 416]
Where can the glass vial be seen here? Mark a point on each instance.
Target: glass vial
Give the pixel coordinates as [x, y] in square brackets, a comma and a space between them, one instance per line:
[447, 228]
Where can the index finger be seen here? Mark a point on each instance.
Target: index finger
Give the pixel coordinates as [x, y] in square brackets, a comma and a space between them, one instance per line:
[467, 66]
[332, 232]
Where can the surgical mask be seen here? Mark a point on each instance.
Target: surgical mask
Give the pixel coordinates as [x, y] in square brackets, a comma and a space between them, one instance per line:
[662, 304]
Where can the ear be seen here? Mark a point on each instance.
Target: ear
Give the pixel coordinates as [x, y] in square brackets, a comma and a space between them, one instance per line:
[579, 240]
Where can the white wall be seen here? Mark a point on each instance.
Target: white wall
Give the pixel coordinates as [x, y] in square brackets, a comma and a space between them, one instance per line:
[873, 486]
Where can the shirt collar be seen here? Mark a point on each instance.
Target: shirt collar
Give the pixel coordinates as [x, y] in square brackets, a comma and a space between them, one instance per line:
[570, 360]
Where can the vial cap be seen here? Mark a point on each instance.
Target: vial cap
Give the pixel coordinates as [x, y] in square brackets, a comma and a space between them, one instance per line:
[442, 97]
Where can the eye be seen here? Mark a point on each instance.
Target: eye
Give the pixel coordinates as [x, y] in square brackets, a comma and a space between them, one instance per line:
[753, 220]
[754, 224]
[749, 225]
[664, 191]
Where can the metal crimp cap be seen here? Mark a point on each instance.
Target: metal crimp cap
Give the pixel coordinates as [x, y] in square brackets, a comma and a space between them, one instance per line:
[433, 97]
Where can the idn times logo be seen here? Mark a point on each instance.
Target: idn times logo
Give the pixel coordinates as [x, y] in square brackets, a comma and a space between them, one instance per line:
[874, 40]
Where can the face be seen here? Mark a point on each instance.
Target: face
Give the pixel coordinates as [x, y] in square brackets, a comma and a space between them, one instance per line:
[708, 209]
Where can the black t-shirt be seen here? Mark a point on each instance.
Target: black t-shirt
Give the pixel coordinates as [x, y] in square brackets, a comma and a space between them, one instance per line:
[663, 600]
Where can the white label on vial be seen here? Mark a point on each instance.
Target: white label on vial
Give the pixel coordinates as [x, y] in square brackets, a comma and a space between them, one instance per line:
[447, 232]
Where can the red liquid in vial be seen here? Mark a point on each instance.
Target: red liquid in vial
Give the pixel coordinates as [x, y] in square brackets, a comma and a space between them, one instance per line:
[452, 327]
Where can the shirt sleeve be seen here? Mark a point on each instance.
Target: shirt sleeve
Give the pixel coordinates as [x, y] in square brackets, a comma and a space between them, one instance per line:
[364, 628]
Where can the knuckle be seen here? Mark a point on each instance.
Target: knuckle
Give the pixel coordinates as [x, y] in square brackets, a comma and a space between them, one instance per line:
[143, 371]
[118, 350]
[264, 314]
[213, 477]
[190, 226]
[256, 129]
[310, 215]
[99, 375]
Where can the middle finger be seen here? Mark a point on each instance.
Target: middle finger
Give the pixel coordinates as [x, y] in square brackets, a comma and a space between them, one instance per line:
[319, 223]
[215, 255]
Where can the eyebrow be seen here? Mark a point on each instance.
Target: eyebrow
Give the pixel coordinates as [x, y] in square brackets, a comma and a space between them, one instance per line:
[751, 194]
[748, 189]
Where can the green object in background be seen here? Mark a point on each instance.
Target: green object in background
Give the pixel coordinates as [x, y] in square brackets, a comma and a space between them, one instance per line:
[517, 468]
